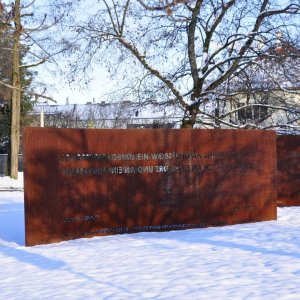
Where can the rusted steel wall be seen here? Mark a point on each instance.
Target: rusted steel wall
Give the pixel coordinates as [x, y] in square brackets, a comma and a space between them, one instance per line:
[288, 165]
[85, 182]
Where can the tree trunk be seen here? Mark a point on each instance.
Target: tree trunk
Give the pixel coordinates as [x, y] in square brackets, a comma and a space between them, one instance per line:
[16, 96]
[190, 120]
[187, 123]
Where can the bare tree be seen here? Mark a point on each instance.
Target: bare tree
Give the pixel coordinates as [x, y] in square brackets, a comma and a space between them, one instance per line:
[5, 65]
[267, 93]
[183, 52]
[25, 26]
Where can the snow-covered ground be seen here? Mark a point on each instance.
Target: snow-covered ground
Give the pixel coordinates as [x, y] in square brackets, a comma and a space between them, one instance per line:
[249, 261]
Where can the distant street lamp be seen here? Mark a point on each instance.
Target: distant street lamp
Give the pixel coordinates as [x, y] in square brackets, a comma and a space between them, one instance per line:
[42, 114]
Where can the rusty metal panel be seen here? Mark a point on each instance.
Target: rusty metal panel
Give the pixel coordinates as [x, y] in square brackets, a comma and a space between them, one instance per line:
[87, 182]
[288, 166]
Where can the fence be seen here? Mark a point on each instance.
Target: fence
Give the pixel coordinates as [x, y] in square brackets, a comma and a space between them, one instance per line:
[3, 164]
[60, 121]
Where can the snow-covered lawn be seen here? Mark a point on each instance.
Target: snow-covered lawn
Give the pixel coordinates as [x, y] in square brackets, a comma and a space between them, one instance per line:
[249, 261]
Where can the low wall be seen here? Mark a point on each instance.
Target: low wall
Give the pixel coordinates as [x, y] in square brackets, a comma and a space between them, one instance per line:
[288, 166]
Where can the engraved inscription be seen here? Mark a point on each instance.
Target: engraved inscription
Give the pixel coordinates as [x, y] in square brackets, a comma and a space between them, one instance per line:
[82, 218]
[147, 228]
[151, 156]
[239, 162]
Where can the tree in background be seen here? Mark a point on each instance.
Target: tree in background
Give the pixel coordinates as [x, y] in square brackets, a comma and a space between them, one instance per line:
[26, 77]
[26, 24]
[5, 65]
[267, 94]
[182, 52]
[5, 121]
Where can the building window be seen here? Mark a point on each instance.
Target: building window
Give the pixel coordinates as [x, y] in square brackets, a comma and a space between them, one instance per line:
[252, 113]
[245, 113]
[260, 112]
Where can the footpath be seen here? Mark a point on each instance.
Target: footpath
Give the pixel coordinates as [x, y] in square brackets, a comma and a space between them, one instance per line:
[11, 185]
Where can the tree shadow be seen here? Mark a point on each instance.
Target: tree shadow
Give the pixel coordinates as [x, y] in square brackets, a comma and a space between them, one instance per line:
[251, 248]
[64, 201]
[288, 166]
[42, 262]
[12, 223]
[32, 258]
[207, 237]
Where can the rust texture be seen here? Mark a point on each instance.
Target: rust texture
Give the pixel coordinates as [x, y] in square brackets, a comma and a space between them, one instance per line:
[288, 166]
[87, 182]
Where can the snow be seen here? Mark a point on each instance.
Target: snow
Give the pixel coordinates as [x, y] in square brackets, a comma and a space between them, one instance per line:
[248, 261]
[7, 183]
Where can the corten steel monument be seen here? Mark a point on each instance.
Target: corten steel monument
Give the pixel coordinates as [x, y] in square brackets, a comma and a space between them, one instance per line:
[87, 182]
[288, 166]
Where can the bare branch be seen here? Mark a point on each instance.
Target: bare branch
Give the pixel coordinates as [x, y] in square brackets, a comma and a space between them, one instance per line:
[154, 72]
[30, 93]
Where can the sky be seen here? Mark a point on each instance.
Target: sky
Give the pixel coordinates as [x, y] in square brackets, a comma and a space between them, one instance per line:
[55, 75]
[60, 89]
[100, 85]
